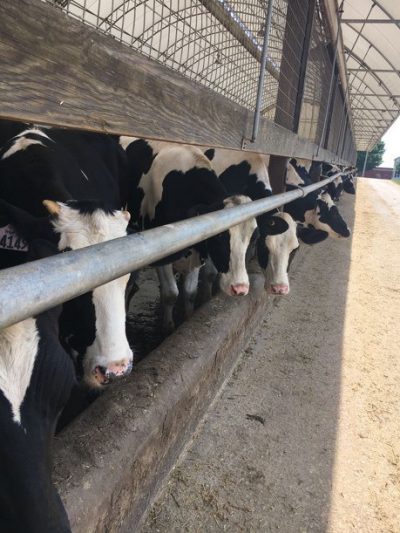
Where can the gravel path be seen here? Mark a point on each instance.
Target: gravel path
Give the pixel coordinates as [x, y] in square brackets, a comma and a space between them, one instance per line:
[305, 435]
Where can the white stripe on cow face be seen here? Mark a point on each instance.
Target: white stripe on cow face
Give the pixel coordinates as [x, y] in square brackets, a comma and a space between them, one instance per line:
[279, 249]
[109, 355]
[18, 349]
[235, 282]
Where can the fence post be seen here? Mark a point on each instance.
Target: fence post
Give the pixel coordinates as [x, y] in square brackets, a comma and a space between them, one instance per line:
[296, 45]
[277, 173]
[365, 162]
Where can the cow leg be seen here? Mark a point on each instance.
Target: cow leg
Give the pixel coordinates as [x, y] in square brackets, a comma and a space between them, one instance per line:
[209, 275]
[190, 283]
[169, 294]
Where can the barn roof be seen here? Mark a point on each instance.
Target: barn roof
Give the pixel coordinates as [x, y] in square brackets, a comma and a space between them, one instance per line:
[370, 31]
[218, 43]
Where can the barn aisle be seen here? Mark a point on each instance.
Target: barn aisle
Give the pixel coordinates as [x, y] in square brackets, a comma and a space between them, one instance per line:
[366, 481]
[304, 436]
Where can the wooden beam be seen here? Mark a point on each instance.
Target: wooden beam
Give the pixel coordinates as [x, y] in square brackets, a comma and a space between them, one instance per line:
[59, 71]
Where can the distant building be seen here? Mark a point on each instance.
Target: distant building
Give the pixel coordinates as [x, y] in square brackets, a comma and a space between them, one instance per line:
[396, 174]
[380, 173]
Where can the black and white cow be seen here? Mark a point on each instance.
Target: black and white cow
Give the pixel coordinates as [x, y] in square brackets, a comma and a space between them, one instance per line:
[36, 378]
[335, 188]
[345, 182]
[316, 210]
[172, 182]
[348, 180]
[247, 173]
[70, 169]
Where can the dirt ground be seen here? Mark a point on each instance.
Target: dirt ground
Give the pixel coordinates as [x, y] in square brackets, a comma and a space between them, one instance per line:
[305, 436]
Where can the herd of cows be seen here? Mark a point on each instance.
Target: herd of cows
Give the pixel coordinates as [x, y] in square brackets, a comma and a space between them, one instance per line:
[62, 190]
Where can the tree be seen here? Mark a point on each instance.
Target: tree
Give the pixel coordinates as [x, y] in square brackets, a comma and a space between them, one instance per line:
[375, 157]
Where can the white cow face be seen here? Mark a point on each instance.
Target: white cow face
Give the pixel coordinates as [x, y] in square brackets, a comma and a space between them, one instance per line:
[326, 217]
[94, 324]
[275, 253]
[228, 252]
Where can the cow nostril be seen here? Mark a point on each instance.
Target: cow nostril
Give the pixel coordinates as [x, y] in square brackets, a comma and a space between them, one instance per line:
[279, 289]
[240, 289]
[101, 375]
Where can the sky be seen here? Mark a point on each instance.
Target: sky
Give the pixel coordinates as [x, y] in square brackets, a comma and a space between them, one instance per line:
[392, 144]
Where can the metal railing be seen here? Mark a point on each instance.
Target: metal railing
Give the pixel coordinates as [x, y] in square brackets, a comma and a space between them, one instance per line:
[34, 287]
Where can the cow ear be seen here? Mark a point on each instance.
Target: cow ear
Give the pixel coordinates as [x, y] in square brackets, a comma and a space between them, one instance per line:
[28, 226]
[311, 235]
[52, 207]
[274, 226]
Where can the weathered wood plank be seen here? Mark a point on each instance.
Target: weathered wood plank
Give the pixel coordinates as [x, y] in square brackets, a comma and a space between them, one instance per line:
[58, 71]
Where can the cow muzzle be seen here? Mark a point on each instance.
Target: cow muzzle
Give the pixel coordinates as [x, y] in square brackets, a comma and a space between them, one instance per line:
[103, 375]
[278, 288]
[240, 289]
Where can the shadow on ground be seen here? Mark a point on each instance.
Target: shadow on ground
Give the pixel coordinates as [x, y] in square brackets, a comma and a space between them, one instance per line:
[263, 459]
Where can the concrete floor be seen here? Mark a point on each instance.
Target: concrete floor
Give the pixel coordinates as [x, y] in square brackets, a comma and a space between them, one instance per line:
[305, 435]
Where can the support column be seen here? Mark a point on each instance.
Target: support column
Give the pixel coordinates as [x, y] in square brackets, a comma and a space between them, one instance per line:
[316, 171]
[277, 173]
[365, 162]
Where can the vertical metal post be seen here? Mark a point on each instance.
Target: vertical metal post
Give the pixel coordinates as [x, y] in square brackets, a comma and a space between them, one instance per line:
[260, 89]
[343, 121]
[365, 162]
[328, 106]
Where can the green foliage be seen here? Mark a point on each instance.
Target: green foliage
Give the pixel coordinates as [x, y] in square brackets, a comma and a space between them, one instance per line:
[375, 157]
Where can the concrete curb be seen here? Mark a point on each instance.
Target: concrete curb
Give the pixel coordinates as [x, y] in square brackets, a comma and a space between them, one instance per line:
[109, 463]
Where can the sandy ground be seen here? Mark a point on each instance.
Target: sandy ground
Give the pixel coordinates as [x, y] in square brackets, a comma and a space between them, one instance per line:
[305, 435]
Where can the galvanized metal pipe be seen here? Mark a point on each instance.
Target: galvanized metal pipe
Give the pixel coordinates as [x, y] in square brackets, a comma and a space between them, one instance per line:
[30, 289]
[365, 162]
[260, 88]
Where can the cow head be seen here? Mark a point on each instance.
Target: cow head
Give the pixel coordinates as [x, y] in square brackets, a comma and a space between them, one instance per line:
[228, 251]
[335, 188]
[93, 324]
[326, 217]
[275, 254]
[348, 185]
[36, 378]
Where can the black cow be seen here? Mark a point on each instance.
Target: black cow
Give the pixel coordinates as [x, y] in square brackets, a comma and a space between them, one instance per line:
[36, 378]
[69, 170]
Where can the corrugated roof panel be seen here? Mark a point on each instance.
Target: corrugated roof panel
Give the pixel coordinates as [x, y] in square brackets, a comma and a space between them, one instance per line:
[371, 39]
